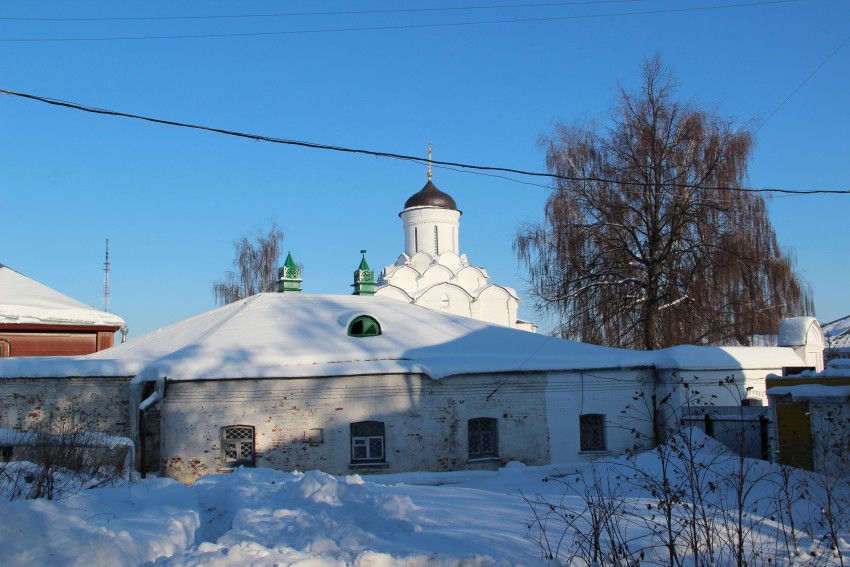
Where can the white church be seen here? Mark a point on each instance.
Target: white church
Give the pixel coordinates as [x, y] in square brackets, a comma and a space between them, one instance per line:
[433, 273]
[425, 369]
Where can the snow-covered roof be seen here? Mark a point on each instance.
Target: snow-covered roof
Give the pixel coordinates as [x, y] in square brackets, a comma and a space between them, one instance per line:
[273, 335]
[837, 333]
[24, 300]
[812, 392]
[799, 331]
[690, 357]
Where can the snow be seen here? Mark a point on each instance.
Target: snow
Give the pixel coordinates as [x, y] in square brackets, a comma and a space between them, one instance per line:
[267, 517]
[839, 365]
[689, 357]
[812, 392]
[274, 335]
[794, 330]
[23, 300]
[836, 334]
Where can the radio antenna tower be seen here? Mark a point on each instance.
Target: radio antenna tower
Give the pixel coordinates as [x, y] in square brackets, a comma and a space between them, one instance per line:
[106, 305]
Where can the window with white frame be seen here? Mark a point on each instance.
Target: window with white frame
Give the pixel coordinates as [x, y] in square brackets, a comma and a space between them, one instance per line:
[483, 437]
[237, 446]
[367, 442]
[592, 432]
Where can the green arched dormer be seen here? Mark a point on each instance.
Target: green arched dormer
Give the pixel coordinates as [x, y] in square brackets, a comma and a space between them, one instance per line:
[364, 326]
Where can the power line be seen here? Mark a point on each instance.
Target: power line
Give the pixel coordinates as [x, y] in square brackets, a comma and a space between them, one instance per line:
[407, 26]
[334, 13]
[806, 80]
[465, 166]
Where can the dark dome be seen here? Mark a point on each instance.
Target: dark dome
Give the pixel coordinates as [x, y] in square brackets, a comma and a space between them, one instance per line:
[430, 196]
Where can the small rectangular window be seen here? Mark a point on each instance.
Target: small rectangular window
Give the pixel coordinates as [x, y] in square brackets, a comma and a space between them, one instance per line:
[483, 438]
[592, 432]
[237, 446]
[367, 442]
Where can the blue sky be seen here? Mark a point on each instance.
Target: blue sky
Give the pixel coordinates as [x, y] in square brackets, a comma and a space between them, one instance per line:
[172, 200]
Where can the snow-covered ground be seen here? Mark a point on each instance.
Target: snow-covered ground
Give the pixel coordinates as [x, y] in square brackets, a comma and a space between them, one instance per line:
[267, 517]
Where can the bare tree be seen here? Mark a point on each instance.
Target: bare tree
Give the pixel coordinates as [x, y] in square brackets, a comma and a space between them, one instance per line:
[648, 240]
[61, 455]
[257, 261]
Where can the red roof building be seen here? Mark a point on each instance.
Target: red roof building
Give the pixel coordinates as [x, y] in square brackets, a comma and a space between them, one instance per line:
[36, 320]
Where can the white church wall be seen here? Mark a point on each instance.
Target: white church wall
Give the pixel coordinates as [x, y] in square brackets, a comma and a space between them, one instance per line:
[447, 298]
[495, 305]
[451, 260]
[435, 274]
[431, 230]
[608, 393]
[471, 278]
[406, 278]
[393, 292]
[425, 421]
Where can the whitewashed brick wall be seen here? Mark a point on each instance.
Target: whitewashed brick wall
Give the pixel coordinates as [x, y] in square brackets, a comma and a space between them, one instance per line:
[425, 421]
[99, 404]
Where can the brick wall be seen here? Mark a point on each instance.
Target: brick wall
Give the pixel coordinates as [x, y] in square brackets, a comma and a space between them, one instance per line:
[425, 421]
[100, 404]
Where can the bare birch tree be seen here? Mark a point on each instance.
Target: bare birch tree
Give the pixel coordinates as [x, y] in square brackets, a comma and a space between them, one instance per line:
[256, 265]
[648, 240]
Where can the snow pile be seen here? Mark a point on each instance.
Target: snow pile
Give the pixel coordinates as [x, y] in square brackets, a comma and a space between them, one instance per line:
[694, 495]
[267, 517]
[120, 526]
[473, 518]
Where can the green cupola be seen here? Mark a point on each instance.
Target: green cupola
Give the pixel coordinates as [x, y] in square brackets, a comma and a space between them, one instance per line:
[289, 276]
[364, 278]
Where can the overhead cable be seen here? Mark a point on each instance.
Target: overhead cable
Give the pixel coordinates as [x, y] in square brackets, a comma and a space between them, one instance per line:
[333, 13]
[319, 146]
[406, 26]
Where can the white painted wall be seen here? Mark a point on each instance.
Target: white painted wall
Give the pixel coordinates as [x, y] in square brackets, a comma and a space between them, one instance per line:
[607, 392]
[431, 230]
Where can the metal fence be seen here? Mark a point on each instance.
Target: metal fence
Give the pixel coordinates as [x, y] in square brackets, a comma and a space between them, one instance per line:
[743, 430]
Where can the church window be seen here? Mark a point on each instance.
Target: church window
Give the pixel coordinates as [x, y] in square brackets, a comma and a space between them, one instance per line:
[592, 432]
[5, 348]
[436, 242]
[415, 239]
[367, 442]
[483, 438]
[444, 302]
[364, 326]
[237, 446]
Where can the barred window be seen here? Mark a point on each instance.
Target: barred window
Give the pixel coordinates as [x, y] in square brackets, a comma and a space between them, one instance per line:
[237, 446]
[592, 432]
[367, 442]
[483, 437]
